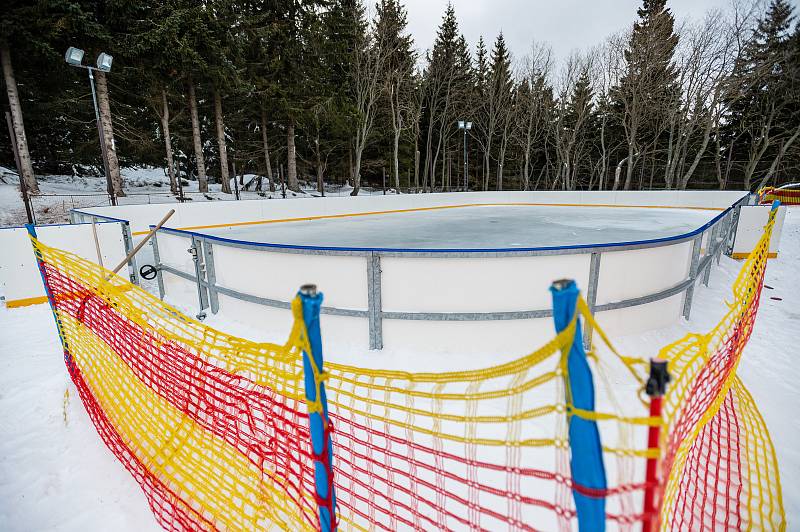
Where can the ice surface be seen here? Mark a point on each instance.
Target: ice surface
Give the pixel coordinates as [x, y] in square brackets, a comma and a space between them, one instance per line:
[479, 227]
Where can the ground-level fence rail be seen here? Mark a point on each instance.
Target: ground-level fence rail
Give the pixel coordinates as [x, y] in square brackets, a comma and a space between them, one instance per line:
[709, 242]
[226, 433]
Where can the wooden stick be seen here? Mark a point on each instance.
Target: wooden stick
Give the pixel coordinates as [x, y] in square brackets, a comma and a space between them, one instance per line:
[139, 246]
[97, 242]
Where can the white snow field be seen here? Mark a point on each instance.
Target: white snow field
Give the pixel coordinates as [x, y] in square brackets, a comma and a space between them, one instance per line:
[56, 474]
[478, 227]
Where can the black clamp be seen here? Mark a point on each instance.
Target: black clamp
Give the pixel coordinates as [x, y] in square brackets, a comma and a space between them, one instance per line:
[659, 377]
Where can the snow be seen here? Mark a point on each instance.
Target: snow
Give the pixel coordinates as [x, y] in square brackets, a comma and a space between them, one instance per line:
[480, 227]
[56, 474]
[61, 193]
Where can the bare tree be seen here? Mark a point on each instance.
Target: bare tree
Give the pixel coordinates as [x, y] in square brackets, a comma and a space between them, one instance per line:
[369, 56]
[533, 104]
[572, 114]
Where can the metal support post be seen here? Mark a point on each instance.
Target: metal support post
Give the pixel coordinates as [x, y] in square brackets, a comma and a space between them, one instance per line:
[127, 238]
[731, 236]
[211, 276]
[711, 249]
[466, 167]
[317, 400]
[591, 296]
[375, 310]
[197, 257]
[157, 261]
[695, 261]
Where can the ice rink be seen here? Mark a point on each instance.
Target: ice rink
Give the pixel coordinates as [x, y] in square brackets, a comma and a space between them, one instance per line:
[477, 227]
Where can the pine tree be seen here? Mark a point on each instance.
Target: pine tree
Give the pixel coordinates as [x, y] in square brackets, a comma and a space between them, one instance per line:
[649, 85]
[762, 121]
[500, 90]
[449, 86]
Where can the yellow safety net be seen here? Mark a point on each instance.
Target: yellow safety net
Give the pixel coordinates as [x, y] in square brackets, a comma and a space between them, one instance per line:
[719, 464]
[215, 428]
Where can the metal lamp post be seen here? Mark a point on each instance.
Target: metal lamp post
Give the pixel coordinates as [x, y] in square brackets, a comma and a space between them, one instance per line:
[466, 126]
[74, 57]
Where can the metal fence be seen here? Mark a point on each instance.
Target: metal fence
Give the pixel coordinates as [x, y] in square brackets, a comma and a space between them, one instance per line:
[718, 232]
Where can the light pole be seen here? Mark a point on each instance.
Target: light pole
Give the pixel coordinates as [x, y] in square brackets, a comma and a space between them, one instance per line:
[74, 57]
[466, 126]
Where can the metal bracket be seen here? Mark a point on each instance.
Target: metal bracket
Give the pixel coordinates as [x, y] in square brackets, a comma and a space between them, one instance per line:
[375, 311]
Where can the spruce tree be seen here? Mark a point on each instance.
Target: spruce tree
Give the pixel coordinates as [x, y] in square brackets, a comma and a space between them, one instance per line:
[649, 86]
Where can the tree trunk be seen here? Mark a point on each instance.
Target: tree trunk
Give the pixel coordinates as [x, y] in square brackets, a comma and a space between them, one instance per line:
[108, 133]
[291, 159]
[350, 162]
[397, 159]
[629, 169]
[173, 181]
[356, 173]
[26, 170]
[266, 149]
[224, 176]
[202, 181]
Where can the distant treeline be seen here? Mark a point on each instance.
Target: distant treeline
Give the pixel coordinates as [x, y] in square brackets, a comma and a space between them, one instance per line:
[320, 90]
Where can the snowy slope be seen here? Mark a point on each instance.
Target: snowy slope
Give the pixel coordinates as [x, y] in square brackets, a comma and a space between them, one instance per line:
[55, 473]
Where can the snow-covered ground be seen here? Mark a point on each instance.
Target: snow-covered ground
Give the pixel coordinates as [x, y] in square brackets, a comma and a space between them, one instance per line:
[61, 193]
[56, 474]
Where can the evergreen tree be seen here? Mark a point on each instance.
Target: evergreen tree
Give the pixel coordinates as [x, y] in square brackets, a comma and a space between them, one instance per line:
[762, 122]
[649, 86]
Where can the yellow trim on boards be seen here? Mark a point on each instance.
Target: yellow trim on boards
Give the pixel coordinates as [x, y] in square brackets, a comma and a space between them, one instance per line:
[745, 255]
[440, 207]
[25, 302]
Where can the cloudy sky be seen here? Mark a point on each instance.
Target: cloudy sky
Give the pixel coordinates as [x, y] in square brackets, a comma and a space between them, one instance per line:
[566, 24]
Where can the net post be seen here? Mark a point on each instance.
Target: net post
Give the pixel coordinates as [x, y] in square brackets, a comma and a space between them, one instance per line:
[586, 451]
[49, 293]
[656, 388]
[317, 400]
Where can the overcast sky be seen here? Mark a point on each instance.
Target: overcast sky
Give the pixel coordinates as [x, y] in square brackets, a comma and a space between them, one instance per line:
[566, 24]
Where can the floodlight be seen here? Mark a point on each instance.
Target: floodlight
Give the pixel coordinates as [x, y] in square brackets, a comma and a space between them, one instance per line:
[104, 62]
[460, 124]
[74, 56]
[469, 125]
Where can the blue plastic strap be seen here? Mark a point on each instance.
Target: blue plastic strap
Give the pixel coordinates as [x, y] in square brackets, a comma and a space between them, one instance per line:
[40, 265]
[318, 421]
[586, 453]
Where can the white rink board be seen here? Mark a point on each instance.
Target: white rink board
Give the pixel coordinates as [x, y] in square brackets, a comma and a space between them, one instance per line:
[752, 220]
[430, 283]
[20, 279]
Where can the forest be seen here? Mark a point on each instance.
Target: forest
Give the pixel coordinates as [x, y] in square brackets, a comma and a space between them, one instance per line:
[322, 92]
